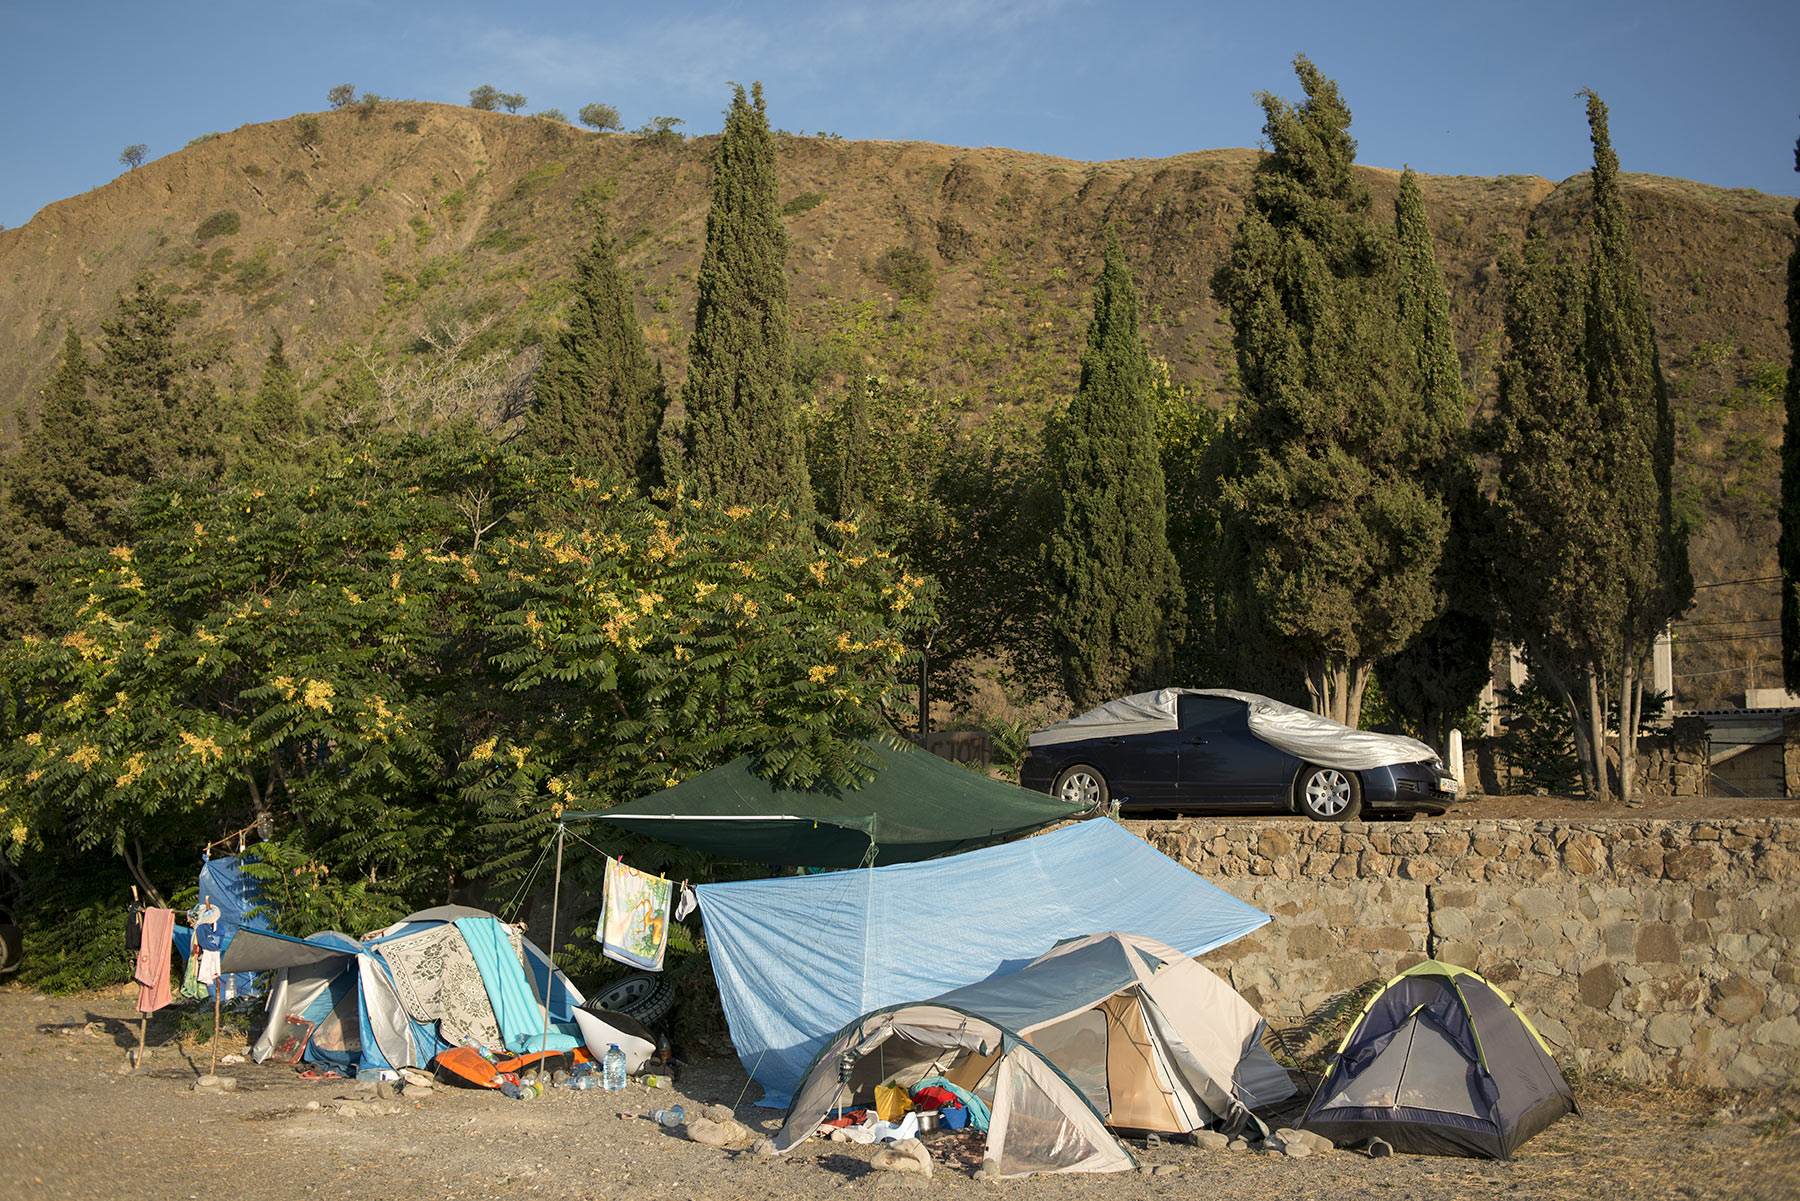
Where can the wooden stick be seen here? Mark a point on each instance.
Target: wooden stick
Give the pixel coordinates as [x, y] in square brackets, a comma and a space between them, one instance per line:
[143, 1030]
[550, 953]
[213, 1068]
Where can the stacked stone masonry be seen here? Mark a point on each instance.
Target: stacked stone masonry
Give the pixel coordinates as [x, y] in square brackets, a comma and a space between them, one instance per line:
[1650, 950]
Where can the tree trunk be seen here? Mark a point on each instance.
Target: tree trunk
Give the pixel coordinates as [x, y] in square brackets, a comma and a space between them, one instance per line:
[1334, 687]
[1596, 740]
[134, 862]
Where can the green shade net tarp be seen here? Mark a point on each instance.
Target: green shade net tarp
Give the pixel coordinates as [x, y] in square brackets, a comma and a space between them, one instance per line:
[918, 807]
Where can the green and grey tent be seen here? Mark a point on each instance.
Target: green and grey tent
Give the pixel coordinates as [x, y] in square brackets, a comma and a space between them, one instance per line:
[917, 807]
[1440, 1062]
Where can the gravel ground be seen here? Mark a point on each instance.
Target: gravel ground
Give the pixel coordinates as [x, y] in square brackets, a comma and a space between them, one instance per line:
[72, 1125]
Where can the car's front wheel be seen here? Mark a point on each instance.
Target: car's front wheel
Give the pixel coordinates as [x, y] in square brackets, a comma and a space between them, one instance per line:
[1328, 794]
[1081, 785]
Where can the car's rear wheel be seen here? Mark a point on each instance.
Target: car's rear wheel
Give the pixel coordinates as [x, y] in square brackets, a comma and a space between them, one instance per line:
[1328, 794]
[1081, 785]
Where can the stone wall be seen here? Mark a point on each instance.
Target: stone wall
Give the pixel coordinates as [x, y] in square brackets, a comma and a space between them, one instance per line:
[1647, 949]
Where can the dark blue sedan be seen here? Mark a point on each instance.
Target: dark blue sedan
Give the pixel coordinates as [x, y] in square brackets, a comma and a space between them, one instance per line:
[1219, 751]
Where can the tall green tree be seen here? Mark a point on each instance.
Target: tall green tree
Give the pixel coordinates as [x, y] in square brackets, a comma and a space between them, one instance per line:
[1590, 558]
[1116, 595]
[599, 394]
[1549, 551]
[54, 485]
[275, 409]
[1789, 549]
[742, 437]
[1330, 516]
[162, 416]
[1625, 377]
[1443, 670]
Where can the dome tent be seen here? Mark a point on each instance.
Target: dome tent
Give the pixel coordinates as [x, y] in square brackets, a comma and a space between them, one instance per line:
[1440, 1062]
[404, 994]
[1110, 1030]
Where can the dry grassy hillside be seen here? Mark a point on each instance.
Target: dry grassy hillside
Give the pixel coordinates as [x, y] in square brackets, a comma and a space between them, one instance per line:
[350, 228]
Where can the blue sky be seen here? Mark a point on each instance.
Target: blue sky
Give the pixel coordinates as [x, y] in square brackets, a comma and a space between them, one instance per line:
[1709, 92]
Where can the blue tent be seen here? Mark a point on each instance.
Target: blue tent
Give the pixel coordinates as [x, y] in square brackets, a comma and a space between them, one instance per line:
[800, 956]
[403, 995]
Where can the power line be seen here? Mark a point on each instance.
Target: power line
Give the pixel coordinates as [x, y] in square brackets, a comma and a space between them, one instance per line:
[1761, 579]
[1744, 636]
[1724, 671]
[1725, 621]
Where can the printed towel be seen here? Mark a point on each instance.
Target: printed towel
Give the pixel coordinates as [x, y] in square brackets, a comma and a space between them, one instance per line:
[634, 921]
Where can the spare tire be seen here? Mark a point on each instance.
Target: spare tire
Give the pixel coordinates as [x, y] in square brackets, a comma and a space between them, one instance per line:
[645, 996]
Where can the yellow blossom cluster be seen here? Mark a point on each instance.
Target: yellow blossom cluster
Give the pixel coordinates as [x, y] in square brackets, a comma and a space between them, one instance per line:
[817, 570]
[85, 756]
[83, 644]
[317, 695]
[134, 770]
[202, 748]
[662, 544]
[379, 721]
[819, 673]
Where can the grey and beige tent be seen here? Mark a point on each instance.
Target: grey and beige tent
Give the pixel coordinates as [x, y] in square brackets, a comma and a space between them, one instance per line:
[1440, 1062]
[1111, 1030]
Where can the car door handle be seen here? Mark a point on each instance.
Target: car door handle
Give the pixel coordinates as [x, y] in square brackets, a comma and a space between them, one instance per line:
[1196, 742]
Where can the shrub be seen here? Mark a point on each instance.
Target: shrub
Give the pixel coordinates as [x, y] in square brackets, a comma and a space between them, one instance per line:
[342, 96]
[907, 271]
[512, 102]
[486, 98]
[221, 224]
[306, 129]
[205, 137]
[661, 130]
[553, 114]
[803, 202]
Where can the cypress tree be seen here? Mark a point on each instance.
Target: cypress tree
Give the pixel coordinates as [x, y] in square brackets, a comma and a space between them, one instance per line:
[1626, 381]
[742, 440]
[275, 409]
[1444, 669]
[56, 486]
[852, 489]
[1550, 554]
[1330, 520]
[1788, 550]
[599, 393]
[1116, 596]
[1592, 562]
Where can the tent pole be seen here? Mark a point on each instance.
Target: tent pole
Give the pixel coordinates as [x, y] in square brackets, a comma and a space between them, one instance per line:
[550, 951]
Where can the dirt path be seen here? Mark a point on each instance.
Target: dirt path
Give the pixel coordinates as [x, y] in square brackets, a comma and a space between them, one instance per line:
[71, 1126]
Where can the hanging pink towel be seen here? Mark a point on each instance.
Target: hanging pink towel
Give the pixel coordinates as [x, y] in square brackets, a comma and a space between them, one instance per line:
[152, 972]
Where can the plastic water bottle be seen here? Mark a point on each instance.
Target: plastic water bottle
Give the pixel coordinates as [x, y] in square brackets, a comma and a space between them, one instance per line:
[615, 1068]
[668, 1117]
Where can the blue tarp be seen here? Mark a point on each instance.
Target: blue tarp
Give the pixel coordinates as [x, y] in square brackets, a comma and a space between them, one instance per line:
[798, 957]
[236, 894]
